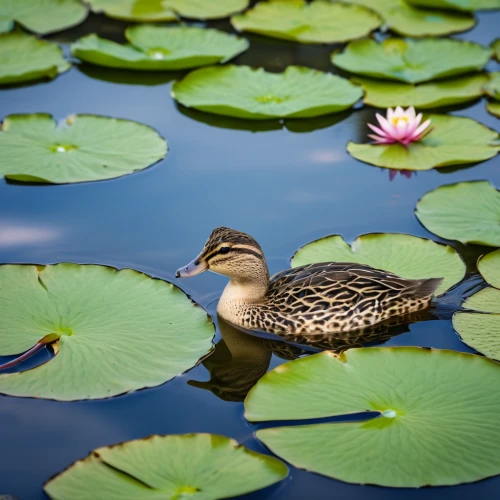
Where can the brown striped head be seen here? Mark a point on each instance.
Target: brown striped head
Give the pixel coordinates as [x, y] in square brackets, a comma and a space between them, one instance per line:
[230, 253]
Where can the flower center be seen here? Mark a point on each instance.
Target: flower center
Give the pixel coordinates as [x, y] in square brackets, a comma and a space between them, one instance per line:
[398, 119]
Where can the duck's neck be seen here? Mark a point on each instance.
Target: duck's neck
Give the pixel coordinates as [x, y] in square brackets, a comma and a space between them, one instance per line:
[249, 287]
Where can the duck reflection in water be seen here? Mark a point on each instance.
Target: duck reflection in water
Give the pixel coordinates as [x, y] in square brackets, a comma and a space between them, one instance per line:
[241, 358]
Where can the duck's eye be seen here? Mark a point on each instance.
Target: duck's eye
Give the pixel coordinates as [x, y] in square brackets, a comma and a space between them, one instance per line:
[224, 250]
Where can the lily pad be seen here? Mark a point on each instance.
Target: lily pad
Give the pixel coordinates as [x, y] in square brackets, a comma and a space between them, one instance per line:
[255, 94]
[412, 61]
[468, 212]
[157, 48]
[430, 402]
[465, 5]
[23, 57]
[452, 141]
[113, 331]
[402, 254]
[496, 48]
[494, 108]
[404, 19]
[42, 16]
[320, 21]
[383, 94]
[482, 331]
[86, 148]
[489, 267]
[6, 25]
[492, 87]
[198, 466]
[167, 10]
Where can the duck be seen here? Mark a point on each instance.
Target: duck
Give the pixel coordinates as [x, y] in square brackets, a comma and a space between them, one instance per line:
[319, 298]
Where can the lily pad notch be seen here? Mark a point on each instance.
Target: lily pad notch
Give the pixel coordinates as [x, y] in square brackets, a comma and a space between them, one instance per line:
[405, 255]
[252, 93]
[154, 48]
[479, 325]
[25, 58]
[423, 421]
[83, 148]
[208, 466]
[112, 331]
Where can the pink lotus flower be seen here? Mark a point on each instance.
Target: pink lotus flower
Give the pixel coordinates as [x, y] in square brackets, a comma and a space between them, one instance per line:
[399, 126]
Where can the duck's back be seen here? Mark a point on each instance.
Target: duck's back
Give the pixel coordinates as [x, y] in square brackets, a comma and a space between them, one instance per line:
[337, 297]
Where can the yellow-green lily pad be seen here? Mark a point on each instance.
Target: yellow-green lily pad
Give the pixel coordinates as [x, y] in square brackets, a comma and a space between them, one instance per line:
[85, 148]
[24, 57]
[384, 94]
[464, 5]
[255, 94]
[197, 466]
[167, 10]
[113, 331]
[154, 48]
[453, 140]
[496, 48]
[402, 254]
[412, 61]
[404, 19]
[492, 87]
[468, 212]
[481, 330]
[430, 404]
[320, 21]
[42, 16]
[493, 108]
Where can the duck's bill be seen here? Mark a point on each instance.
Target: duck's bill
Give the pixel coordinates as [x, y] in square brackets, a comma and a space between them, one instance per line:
[195, 267]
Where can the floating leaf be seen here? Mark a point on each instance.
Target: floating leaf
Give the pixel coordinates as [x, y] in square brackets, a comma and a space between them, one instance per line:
[468, 212]
[383, 94]
[492, 87]
[317, 22]
[406, 20]
[87, 148]
[255, 94]
[167, 10]
[157, 48]
[494, 108]
[412, 61]
[464, 5]
[115, 331]
[402, 254]
[25, 58]
[42, 16]
[198, 466]
[496, 48]
[489, 267]
[452, 141]
[482, 331]
[6, 25]
[430, 403]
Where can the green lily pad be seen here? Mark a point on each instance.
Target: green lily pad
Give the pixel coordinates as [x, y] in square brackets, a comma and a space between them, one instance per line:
[402, 254]
[430, 402]
[412, 61]
[255, 94]
[383, 94]
[87, 148]
[167, 10]
[494, 108]
[496, 48]
[452, 141]
[157, 48]
[492, 87]
[407, 20]
[489, 267]
[482, 331]
[464, 5]
[320, 21]
[42, 16]
[24, 57]
[467, 212]
[6, 25]
[115, 331]
[198, 466]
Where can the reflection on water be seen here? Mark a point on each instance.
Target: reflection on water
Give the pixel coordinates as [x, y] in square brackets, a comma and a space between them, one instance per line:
[241, 358]
[405, 173]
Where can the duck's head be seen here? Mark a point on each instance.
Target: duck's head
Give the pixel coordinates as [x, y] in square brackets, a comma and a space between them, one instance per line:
[228, 252]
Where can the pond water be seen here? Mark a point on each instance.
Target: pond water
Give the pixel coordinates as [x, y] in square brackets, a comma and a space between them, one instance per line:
[285, 184]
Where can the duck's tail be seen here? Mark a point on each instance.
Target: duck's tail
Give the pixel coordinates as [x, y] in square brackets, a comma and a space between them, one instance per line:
[427, 288]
